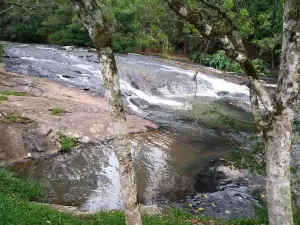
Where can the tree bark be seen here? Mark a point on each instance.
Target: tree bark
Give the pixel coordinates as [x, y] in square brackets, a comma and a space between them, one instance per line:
[278, 146]
[3, 11]
[100, 32]
[279, 136]
[122, 143]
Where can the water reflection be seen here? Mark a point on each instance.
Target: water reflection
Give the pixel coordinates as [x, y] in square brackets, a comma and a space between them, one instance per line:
[166, 165]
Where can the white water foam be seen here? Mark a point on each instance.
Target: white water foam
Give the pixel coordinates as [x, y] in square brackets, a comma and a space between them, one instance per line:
[88, 68]
[217, 84]
[149, 98]
[131, 105]
[44, 48]
[41, 60]
[60, 76]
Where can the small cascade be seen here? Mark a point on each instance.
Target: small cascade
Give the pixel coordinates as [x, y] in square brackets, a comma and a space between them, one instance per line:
[156, 82]
[166, 160]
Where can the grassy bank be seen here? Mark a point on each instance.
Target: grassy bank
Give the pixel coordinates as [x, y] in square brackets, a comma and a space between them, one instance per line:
[16, 207]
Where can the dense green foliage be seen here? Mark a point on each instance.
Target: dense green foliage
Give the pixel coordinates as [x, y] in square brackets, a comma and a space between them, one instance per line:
[16, 208]
[149, 25]
[218, 61]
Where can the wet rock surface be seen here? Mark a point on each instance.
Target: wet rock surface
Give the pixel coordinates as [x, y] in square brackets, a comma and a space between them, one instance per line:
[84, 116]
[167, 161]
[19, 142]
[224, 192]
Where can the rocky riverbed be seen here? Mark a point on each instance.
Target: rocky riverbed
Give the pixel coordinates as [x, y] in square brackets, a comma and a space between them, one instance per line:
[38, 135]
[173, 164]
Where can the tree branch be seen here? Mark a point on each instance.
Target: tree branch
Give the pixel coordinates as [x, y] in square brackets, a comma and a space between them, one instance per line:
[274, 13]
[221, 12]
[230, 41]
[3, 11]
[23, 6]
[260, 123]
[14, 4]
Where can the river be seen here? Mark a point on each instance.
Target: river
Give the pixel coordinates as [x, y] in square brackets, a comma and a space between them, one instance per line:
[167, 160]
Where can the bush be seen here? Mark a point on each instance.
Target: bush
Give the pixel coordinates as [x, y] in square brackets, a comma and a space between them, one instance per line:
[2, 48]
[124, 43]
[261, 66]
[73, 34]
[218, 61]
[198, 57]
[221, 62]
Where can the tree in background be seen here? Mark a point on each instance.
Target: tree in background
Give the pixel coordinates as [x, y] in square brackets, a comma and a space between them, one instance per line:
[41, 21]
[99, 26]
[276, 120]
[143, 25]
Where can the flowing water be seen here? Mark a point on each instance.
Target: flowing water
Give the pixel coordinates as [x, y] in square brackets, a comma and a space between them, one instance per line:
[166, 160]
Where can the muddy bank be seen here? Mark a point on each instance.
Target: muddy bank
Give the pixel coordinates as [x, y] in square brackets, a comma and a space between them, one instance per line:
[81, 115]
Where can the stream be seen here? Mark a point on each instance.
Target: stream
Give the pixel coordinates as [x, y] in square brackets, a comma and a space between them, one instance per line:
[167, 160]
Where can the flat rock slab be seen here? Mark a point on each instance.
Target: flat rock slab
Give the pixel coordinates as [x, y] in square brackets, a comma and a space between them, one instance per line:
[84, 116]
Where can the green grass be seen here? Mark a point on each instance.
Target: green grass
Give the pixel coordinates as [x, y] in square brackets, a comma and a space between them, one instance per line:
[14, 118]
[17, 188]
[57, 111]
[3, 94]
[3, 98]
[67, 143]
[13, 93]
[16, 208]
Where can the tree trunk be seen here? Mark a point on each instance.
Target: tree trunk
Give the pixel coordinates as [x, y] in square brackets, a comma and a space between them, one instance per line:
[122, 144]
[206, 46]
[272, 59]
[100, 31]
[278, 146]
[185, 47]
[279, 133]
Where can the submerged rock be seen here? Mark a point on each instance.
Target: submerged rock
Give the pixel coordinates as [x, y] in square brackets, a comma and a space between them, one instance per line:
[224, 192]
